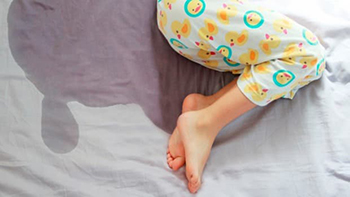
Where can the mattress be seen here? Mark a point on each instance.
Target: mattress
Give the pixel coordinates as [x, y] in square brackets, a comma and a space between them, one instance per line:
[90, 92]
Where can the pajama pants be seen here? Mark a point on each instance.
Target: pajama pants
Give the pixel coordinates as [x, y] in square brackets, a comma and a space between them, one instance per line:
[274, 55]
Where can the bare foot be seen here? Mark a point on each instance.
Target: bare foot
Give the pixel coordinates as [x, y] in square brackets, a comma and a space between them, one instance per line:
[175, 152]
[197, 138]
[190, 143]
[198, 126]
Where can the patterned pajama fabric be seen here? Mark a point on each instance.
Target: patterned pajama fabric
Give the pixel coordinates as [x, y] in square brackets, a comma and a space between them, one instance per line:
[274, 55]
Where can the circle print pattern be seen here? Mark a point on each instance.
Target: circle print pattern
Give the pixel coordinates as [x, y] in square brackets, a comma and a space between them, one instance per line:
[225, 51]
[230, 62]
[178, 44]
[320, 67]
[310, 37]
[194, 8]
[253, 19]
[283, 78]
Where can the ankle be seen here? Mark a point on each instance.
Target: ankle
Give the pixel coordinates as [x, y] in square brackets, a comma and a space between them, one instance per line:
[211, 98]
[206, 122]
[202, 121]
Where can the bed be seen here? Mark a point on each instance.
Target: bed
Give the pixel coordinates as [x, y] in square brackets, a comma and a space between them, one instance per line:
[90, 92]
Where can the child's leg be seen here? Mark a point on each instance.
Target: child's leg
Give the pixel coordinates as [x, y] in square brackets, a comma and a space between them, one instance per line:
[195, 101]
[279, 57]
[196, 131]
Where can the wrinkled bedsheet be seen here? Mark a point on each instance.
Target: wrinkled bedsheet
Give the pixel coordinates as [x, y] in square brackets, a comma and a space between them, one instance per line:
[90, 92]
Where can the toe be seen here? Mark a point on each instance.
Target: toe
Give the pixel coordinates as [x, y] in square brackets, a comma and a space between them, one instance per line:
[194, 187]
[171, 164]
[194, 182]
[178, 163]
[169, 159]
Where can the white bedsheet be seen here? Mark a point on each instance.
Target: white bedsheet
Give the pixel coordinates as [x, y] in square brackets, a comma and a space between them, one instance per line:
[298, 148]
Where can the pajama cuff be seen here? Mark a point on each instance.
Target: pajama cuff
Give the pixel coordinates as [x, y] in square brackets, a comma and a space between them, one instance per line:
[241, 88]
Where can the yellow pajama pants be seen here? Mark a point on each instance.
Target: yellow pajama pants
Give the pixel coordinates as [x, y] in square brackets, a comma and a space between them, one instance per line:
[274, 55]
